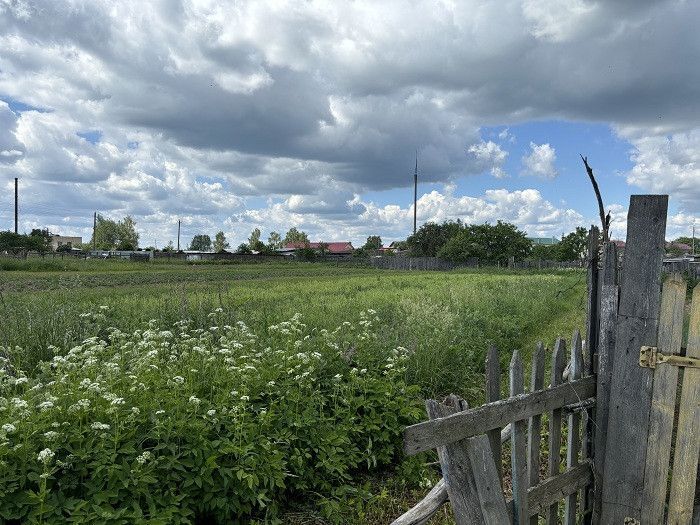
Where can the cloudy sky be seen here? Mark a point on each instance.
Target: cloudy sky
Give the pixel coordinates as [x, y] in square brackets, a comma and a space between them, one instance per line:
[232, 115]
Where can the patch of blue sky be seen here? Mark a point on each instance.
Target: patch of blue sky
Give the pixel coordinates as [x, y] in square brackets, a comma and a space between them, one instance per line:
[17, 106]
[92, 136]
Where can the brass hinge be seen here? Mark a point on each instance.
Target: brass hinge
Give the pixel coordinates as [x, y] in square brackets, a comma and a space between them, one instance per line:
[649, 357]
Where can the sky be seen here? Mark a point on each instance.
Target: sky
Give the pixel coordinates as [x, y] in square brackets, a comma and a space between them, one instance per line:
[236, 115]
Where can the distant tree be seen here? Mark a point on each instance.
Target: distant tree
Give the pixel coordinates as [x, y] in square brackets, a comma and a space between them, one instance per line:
[322, 248]
[201, 243]
[374, 242]
[115, 235]
[170, 247]
[19, 244]
[295, 236]
[573, 247]
[545, 252]
[489, 243]
[686, 240]
[220, 242]
[42, 239]
[128, 238]
[274, 241]
[431, 237]
[254, 237]
[243, 248]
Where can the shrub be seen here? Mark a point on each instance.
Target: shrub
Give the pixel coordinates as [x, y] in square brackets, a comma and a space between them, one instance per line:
[184, 425]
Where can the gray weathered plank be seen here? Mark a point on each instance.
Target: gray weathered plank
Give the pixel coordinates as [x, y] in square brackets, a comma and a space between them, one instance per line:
[426, 508]
[456, 471]
[685, 458]
[593, 299]
[535, 424]
[663, 401]
[557, 488]
[558, 364]
[518, 447]
[606, 346]
[573, 445]
[493, 393]
[630, 390]
[591, 347]
[483, 468]
[431, 434]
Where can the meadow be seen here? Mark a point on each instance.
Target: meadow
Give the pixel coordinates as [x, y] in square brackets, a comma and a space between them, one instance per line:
[223, 392]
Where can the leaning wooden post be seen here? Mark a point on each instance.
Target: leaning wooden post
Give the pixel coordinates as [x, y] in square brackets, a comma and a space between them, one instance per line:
[606, 346]
[630, 389]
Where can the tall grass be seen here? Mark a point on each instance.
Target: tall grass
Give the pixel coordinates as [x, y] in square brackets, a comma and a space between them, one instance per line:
[447, 319]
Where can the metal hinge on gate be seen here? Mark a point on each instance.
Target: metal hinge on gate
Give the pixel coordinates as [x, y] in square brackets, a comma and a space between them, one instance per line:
[649, 357]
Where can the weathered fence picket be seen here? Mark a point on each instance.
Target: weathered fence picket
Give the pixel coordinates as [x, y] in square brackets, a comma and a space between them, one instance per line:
[535, 425]
[558, 364]
[518, 447]
[573, 446]
[685, 460]
[663, 401]
[630, 389]
[493, 393]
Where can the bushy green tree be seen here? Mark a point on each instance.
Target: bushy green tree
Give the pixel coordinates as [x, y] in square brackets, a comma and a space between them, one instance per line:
[274, 241]
[295, 236]
[20, 244]
[431, 237]
[220, 242]
[545, 252]
[42, 239]
[201, 243]
[374, 242]
[115, 235]
[489, 243]
[573, 247]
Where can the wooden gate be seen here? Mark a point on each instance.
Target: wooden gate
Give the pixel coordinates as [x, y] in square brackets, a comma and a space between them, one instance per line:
[626, 406]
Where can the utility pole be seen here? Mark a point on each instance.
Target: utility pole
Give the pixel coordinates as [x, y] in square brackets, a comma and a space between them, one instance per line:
[178, 235]
[693, 236]
[94, 232]
[16, 207]
[415, 194]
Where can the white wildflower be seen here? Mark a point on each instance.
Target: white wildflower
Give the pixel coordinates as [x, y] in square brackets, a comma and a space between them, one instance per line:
[99, 426]
[194, 400]
[45, 456]
[9, 428]
[179, 379]
[144, 457]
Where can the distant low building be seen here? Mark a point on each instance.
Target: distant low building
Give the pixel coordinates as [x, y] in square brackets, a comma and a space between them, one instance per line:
[61, 240]
[544, 241]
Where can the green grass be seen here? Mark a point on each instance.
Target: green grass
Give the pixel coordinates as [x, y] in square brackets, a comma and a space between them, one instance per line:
[448, 319]
[445, 320]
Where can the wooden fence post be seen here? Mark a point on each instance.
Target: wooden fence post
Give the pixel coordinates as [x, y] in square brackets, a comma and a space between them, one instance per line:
[606, 345]
[630, 389]
[518, 450]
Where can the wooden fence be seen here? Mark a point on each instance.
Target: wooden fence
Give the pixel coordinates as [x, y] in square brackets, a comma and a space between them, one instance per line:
[627, 425]
[465, 436]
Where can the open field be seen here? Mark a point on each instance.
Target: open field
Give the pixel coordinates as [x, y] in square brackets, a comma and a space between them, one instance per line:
[372, 343]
